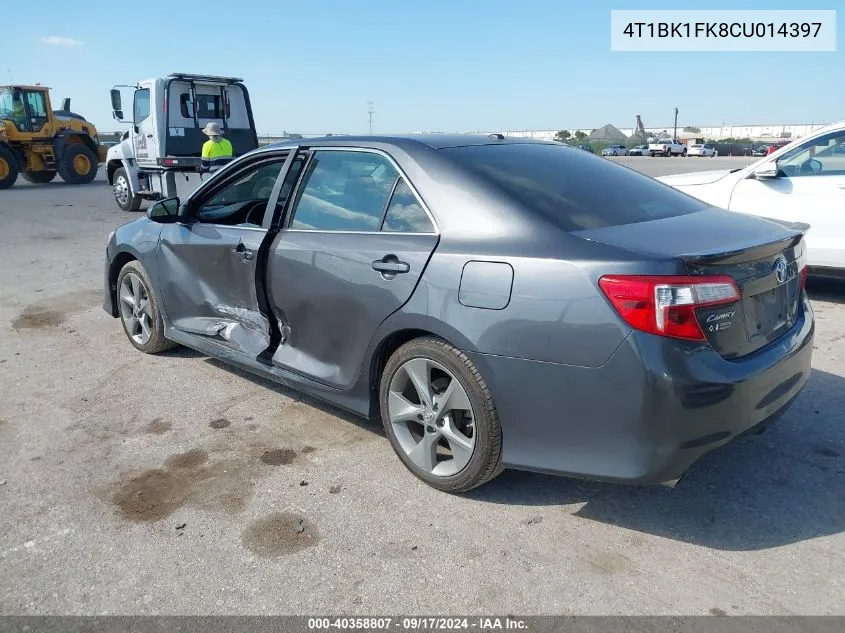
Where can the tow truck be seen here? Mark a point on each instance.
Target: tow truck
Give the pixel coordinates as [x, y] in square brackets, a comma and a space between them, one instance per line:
[161, 155]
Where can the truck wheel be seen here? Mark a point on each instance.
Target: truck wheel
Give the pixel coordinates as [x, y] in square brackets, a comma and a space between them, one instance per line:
[8, 168]
[39, 177]
[78, 165]
[123, 192]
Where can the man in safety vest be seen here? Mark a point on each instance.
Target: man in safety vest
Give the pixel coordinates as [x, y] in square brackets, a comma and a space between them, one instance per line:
[216, 147]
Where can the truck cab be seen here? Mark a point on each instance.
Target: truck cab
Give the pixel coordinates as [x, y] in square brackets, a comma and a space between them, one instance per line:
[165, 138]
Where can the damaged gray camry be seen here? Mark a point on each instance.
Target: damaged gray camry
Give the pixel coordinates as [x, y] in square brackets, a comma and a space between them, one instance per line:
[497, 303]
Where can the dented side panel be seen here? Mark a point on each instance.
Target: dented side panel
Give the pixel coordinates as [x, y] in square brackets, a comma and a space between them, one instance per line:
[210, 288]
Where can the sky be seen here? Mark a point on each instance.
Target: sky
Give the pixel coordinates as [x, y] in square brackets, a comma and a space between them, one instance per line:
[434, 65]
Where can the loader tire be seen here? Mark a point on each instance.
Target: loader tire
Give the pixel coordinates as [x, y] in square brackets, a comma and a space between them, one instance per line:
[39, 177]
[8, 168]
[78, 165]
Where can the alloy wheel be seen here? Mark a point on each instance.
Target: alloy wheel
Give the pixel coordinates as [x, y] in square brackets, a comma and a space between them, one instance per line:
[121, 190]
[135, 308]
[431, 417]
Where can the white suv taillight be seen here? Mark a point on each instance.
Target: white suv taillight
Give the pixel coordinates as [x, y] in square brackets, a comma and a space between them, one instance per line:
[666, 305]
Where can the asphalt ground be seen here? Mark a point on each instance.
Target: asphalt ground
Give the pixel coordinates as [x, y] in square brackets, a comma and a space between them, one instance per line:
[172, 484]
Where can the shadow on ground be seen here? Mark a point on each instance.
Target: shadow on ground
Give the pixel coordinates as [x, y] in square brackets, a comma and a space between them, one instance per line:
[830, 290]
[761, 491]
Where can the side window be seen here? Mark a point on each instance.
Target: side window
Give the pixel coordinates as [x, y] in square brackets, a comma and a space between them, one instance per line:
[142, 104]
[186, 107]
[344, 191]
[243, 201]
[823, 156]
[405, 213]
[37, 109]
[209, 107]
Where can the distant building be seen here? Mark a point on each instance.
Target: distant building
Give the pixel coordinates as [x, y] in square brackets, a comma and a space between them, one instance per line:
[757, 132]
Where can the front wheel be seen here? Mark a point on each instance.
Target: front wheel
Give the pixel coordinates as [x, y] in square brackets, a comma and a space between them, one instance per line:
[138, 309]
[8, 168]
[439, 416]
[123, 192]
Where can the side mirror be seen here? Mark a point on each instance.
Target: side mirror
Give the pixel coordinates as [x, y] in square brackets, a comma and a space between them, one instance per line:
[769, 169]
[164, 211]
[117, 114]
[115, 100]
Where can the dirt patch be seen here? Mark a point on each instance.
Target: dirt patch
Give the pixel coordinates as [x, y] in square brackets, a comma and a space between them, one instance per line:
[308, 449]
[37, 319]
[219, 423]
[333, 490]
[190, 459]
[158, 426]
[280, 534]
[718, 612]
[826, 451]
[187, 479]
[152, 495]
[278, 457]
[50, 314]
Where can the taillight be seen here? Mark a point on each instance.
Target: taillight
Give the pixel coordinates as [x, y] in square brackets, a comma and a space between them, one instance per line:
[666, 305]
[802, 268]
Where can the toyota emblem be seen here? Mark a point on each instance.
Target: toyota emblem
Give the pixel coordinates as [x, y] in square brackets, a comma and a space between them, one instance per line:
[781, 271]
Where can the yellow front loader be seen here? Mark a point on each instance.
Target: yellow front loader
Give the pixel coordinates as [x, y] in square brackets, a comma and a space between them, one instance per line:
[38, 142]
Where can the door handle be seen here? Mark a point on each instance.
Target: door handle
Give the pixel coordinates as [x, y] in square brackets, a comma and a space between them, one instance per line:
[149, 135]
[244, 253]
[390, 265]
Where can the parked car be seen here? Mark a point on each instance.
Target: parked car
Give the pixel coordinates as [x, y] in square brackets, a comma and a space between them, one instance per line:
[699, 149]
[638, 150]
[481, 296]
[614, 150]
[763, 150]
[667, 147]
[802, 182]
[587, 148]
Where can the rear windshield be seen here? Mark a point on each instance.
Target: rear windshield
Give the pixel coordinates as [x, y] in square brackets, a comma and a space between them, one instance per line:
[571, 188]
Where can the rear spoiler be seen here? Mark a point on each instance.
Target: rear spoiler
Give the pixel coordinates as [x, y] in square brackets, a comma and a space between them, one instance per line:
[744, 253]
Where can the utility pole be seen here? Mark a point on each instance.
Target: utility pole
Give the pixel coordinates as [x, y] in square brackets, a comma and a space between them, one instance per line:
[675, 135]
[370, 111]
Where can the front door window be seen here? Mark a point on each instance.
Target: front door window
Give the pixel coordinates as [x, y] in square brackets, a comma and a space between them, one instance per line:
[823, 156]
[37, 106]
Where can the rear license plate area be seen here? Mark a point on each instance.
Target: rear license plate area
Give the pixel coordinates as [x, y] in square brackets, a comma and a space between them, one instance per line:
[769, 312]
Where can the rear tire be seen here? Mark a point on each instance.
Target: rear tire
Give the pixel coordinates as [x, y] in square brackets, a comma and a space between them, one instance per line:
[138, 308]
[469, 410]
[39, 177]
[78, 164]
[122, 191]
[8, 168]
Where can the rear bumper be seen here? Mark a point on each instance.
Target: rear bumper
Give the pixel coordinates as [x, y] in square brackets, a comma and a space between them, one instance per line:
[647, 414]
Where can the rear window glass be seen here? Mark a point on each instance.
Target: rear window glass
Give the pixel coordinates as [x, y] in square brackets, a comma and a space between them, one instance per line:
[571, 188]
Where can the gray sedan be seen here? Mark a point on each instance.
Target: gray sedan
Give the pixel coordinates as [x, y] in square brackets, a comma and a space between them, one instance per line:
[495, 302]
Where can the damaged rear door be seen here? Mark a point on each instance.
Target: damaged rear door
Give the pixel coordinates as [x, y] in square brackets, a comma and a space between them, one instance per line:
[208, 262]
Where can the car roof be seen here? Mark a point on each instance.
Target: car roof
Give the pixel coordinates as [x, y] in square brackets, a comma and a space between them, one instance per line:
[435, 141]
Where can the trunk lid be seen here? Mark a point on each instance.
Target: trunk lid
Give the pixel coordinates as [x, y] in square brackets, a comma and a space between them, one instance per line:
[764, 258]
